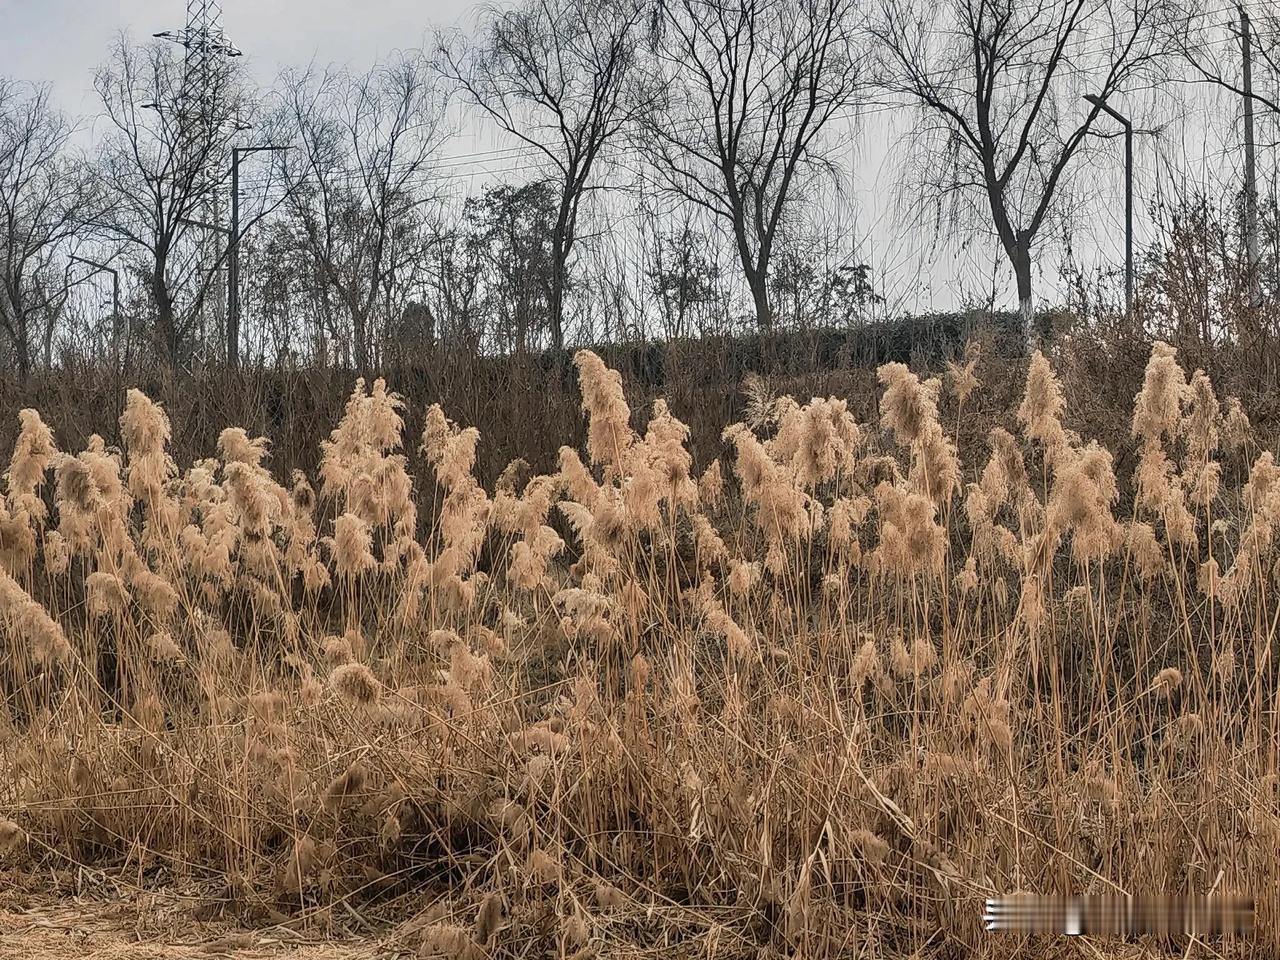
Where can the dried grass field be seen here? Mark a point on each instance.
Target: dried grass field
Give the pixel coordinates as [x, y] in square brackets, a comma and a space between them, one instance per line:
[819, 698]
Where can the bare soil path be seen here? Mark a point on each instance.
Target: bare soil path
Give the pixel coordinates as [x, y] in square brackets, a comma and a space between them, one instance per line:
[98, 929]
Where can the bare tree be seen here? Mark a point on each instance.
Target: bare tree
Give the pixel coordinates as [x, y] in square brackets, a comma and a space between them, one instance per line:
[999, 86]
[750, 90]
[162, 158]
[509, 228]
[45, 194]
[283, 296]
[1232, 51]
[555, 74]
[1206, 37]
[681, 270]
[455, 289]
[359, 180]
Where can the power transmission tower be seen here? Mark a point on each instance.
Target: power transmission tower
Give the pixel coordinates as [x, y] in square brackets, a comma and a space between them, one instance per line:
[203, 111]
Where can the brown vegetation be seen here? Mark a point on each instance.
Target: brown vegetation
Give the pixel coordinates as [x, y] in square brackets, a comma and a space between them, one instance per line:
[821, 697]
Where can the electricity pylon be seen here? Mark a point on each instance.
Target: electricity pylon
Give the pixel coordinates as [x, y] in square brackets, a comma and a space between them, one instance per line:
[202, 113]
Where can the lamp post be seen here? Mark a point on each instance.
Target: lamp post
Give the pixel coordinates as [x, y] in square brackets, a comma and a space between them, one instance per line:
[233, 260]
[1101, 104]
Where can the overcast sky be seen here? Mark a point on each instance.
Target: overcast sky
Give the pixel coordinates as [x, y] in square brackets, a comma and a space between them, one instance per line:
[60, 42]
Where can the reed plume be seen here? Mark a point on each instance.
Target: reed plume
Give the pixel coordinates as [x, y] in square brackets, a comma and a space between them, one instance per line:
[803, 683]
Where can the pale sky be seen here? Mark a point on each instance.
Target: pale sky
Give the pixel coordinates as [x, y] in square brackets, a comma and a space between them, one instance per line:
[60, 42]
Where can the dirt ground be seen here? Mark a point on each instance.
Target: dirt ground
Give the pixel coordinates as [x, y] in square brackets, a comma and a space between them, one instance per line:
[72, 930]
[92, 932]
[129, 925]
[151, 926]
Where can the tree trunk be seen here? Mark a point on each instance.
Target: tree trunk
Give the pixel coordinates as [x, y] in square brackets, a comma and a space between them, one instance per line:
[359, 336]
[22, 348]
[166, 322]
[760, 297]
[47, 342]
[1021, 259]
[15, 325]
[555, 308]
[559, 271]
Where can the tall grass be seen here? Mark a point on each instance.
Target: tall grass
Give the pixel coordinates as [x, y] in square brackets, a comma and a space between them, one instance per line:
[821, 698]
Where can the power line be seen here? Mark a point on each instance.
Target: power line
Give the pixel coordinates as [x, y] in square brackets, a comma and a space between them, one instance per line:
[523, 152]
[527, 152]
[473, 164]
[539, 160]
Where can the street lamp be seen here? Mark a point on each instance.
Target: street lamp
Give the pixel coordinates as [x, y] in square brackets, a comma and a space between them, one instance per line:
[233, 261]
[1101, 104]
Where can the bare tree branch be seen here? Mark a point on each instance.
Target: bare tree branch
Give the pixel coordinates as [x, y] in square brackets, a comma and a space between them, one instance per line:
[556, 75]
[997, 82]
[749, 91]
[358, 179]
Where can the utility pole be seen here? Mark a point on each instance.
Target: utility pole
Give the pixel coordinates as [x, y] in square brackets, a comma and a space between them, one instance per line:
[233, 260]
[1128, 195]
[115, 299]
[1250, 165]
[115, 282]
[209, 226]
[205, 225]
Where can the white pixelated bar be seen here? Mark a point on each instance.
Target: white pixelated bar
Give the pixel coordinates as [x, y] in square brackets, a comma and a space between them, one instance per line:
[1119, 916]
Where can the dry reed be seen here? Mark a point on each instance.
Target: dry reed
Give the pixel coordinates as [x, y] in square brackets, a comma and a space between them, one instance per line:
[844, 687]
